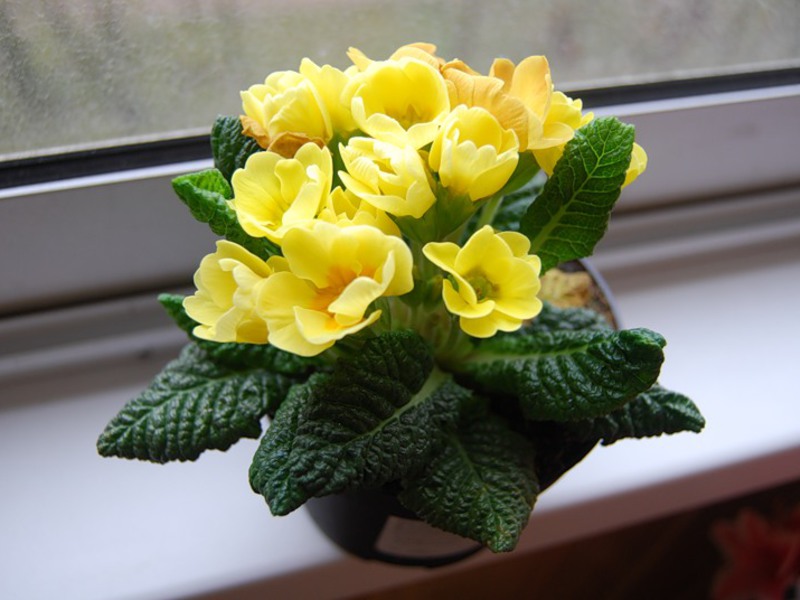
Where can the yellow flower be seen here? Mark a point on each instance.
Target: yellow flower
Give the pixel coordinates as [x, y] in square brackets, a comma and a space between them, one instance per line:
[287, 103]
[273, 194]
[493, 280]
[473, 154]
[530, 83]
[334, 275]
[563, 118]
[398, 101]
[223, 305]
[344, 208]
[391, 178]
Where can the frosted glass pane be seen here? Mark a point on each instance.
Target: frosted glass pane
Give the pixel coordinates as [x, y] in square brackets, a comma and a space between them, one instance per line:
[82, 73]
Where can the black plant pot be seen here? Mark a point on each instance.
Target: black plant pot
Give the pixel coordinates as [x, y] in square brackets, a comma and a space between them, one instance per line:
[372, 524]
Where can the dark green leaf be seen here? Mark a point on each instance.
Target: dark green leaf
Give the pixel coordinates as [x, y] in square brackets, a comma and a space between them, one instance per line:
[271, 470]
[230, 147]
[481, 484]
[374, 419]
[571, 214]
[231, 354]
[553, 318]
[654, 412]
[568, 375]
[514, 206]
[173, 304]
[193, 405]
[206, 193]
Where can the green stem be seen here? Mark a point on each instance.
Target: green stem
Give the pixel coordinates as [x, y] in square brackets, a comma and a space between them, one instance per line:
[489, 211]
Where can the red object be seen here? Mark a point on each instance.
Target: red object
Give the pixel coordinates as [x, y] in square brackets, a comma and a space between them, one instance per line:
[763, 559]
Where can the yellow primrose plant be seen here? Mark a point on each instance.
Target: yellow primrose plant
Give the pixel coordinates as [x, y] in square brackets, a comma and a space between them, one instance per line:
[376, 294]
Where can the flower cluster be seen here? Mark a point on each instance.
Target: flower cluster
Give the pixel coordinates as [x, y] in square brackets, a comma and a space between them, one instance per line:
[368, 180]
[387, 293]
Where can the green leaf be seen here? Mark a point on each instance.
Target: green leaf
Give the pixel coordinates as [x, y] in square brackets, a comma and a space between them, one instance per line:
[193, 405]
[271, 473]
[173, 304]
[263, 356]
[481, 484]
[515, 204]
[654, 412]
[571, 214]
[230, 147]
[568, 375]
[553, 318]
[206, 193]
[374, 419]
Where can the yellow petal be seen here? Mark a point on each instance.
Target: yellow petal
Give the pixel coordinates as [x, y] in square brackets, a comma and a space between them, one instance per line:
[358, 295]
[483, 327]
[320, 329]
[637, 166]
[464, 302]
[442, 254]
[516, 295]
[518, 243]
[483, 245]
[419, 51]
[532, 84]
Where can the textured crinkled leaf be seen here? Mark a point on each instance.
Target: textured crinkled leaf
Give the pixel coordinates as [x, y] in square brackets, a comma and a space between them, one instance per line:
[193, 405]
[568, 375]
[206, 194]
[271, 468]
[571, 214]
[481, 484]
[374, 419]
[262, 356]
[552, 318]
[654, 412]
[230, 147]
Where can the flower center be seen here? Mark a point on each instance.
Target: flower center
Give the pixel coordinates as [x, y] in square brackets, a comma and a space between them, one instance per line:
[483, 287]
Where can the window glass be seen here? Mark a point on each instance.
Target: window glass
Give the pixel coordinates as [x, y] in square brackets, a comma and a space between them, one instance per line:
[80, 74]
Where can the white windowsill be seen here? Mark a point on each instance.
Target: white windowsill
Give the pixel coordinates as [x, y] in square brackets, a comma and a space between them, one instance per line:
[74, 525]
